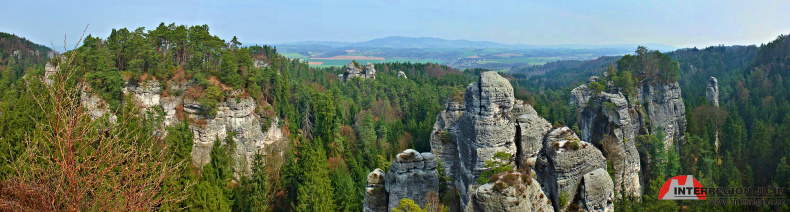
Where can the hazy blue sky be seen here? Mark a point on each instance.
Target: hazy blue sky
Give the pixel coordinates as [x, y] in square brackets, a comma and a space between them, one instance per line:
[679, 23]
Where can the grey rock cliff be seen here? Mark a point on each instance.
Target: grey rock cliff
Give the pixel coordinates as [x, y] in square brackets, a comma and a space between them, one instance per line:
[485, 128]
[712, 91]
[443, 144]
[619, 119]
[523, 195]
[233, 115]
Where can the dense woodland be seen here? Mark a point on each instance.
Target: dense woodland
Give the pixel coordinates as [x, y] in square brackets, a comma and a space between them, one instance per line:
[337, 132]
[752, 122]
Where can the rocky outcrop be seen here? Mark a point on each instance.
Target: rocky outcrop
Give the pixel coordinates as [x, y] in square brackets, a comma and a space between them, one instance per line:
[581, 94]
[413, 175]
[564, 161]
[489, 121]
[511, 192]
[443, 144]
[485, 128]
[531, 128]
[663, 105]
[376, 198]
[50, 70]
[612, 122]
[402, 75]
[94, 105]
[367, 72]
[596, 192]
[235, 115]
[712, 91]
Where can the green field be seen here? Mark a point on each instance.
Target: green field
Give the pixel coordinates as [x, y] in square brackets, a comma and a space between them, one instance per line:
[528, 60]
[338, 63]
[294, 55]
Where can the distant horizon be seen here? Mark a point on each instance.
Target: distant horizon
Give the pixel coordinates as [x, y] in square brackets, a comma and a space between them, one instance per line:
[681, 24]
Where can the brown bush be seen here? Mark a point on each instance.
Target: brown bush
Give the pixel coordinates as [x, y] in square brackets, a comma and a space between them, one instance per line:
[195, 92]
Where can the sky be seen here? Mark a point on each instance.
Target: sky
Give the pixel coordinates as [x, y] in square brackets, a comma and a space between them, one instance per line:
[677, 23]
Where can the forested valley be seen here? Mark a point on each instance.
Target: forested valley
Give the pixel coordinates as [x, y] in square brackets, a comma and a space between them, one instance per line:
[58, 155]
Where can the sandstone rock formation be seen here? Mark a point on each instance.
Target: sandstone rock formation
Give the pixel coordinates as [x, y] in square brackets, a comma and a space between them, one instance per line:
[412, 175]
[49, 70]
[487, 120]
[485, 128]
[712, 91]
[376, 198]
[443, 145]
[511, 192]
[596, 192]
[367, 72]
[236, 115]
[613, 121]
[564, 161]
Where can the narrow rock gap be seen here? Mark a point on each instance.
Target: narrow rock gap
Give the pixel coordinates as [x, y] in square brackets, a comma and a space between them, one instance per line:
[480, 95]
[519, 152]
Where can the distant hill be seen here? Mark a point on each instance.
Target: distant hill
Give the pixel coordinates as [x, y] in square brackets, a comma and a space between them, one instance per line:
[439, 43]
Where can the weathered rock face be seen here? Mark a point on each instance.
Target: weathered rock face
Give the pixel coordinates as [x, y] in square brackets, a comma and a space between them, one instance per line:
[485, 128]
[94, 105]
[531, 128]
[376, 198]
[49, 70]
[564, 161]
[443, 145]
[413, 175]
[618, 120]
[367, 72]
[712, 91]
[596, 192]
[521, 194]
[232, 116]
[664, 107]
[490, 120]
[235, 115]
